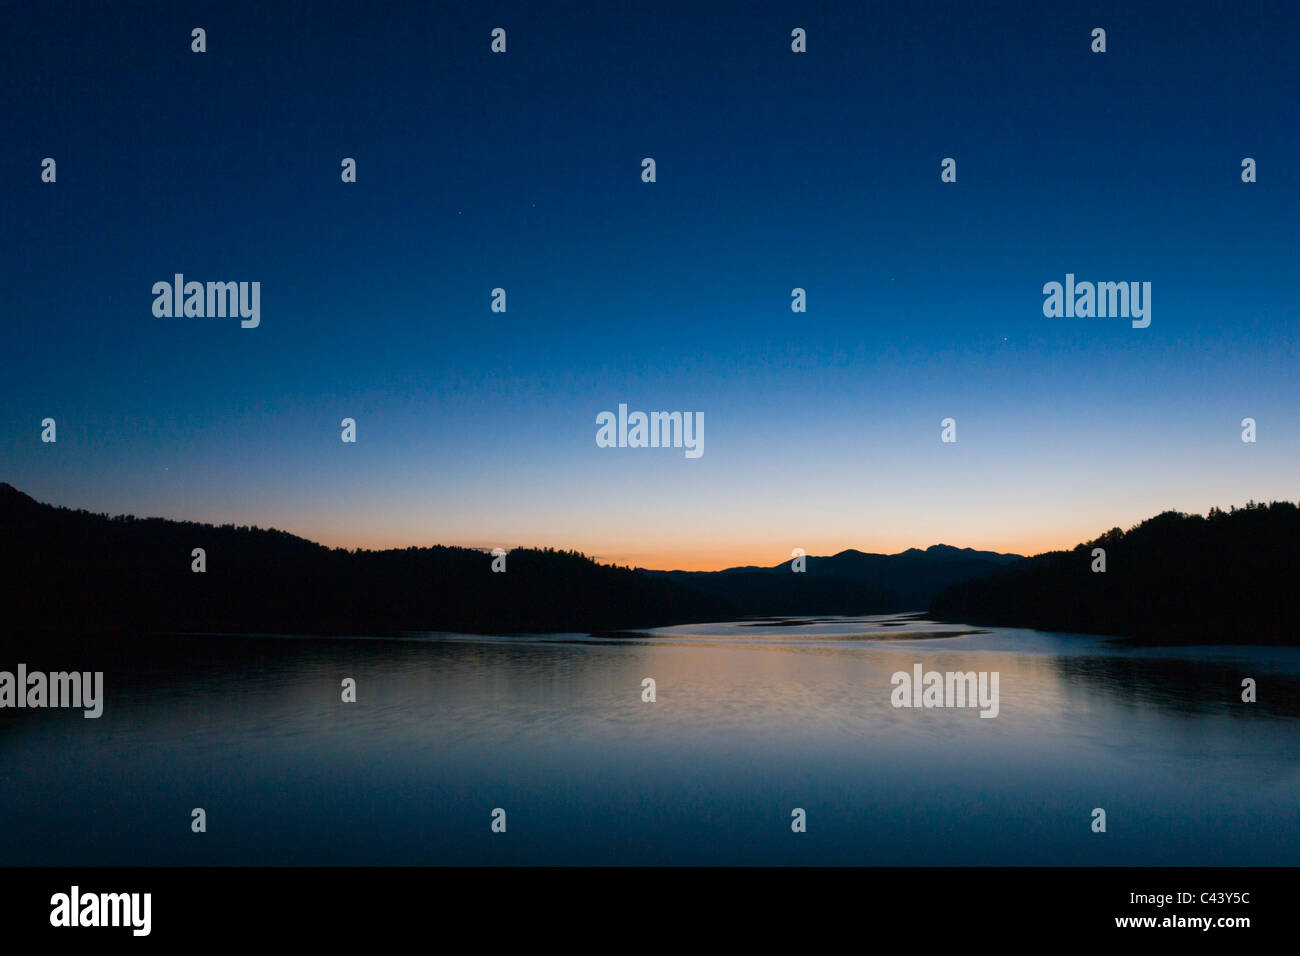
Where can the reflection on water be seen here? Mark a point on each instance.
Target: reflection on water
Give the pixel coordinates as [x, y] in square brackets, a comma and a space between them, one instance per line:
[752, 720]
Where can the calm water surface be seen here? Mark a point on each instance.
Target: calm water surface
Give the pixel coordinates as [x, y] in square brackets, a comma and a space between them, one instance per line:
[752, 720]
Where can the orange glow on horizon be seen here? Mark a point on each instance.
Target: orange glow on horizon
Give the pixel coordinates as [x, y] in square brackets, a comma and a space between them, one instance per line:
[720, 558]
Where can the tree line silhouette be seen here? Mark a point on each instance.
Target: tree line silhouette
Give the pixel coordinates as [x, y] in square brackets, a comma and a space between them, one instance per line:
[74, 571]
[1228, 577]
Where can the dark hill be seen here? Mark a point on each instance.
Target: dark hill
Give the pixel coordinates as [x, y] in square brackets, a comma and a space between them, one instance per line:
[65, 570]
[1228, 577]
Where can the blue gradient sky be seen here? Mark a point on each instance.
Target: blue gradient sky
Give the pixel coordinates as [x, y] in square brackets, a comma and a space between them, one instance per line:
[775, 170]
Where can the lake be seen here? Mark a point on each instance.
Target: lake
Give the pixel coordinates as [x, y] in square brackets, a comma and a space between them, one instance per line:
[751, 720]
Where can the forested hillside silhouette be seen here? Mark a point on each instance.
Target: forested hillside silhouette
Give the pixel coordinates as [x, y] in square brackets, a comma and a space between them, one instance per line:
[1228, 577]
[72, 570]
[66, 570]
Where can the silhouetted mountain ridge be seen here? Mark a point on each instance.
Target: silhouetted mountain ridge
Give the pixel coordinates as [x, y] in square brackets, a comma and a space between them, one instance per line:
[849, 582]
[66, 570]
[1228, 577]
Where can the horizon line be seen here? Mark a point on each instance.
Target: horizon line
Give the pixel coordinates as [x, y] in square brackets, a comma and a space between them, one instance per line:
[595, 555]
